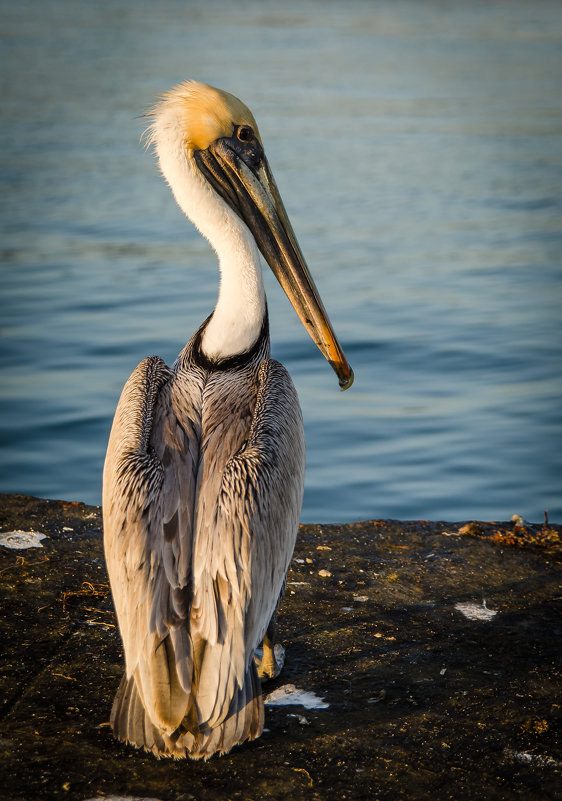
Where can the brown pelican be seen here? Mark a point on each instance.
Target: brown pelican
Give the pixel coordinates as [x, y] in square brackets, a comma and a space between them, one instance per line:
[203, 477]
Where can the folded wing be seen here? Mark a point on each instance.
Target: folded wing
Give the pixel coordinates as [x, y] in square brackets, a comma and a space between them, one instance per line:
[197, 562]
[149, 491]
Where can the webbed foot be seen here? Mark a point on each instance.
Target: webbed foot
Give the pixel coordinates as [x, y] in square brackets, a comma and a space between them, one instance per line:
[271, 662]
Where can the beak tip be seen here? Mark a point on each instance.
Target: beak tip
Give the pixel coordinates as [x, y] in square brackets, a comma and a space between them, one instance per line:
[346, 380]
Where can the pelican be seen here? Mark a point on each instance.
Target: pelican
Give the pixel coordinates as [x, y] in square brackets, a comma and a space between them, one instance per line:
[203, 477]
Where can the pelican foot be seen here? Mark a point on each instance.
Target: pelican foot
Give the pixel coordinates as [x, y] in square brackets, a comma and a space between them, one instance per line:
[270, 661]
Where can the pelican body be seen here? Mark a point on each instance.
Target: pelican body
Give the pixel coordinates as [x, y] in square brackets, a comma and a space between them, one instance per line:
[203, 478]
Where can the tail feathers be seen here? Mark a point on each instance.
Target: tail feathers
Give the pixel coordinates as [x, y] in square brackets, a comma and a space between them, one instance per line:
[131, 723]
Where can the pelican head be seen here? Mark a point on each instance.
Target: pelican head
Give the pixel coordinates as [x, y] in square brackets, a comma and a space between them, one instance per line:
[208, 145]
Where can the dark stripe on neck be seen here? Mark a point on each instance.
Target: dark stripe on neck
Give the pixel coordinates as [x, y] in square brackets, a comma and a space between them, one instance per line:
[236, 362]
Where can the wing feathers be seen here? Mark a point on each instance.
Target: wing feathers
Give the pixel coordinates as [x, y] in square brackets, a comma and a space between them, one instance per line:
[201, 507]
[244, 540]
[149, 480]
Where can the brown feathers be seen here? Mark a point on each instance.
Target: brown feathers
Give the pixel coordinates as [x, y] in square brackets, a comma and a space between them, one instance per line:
[202, 494]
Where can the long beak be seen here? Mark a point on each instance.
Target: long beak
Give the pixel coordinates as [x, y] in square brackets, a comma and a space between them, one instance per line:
[251, 191]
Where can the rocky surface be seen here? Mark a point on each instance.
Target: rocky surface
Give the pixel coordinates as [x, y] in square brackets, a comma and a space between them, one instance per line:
[436, 647]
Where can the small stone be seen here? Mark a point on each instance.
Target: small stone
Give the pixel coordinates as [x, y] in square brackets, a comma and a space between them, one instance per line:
[301, 719]
[475, 611]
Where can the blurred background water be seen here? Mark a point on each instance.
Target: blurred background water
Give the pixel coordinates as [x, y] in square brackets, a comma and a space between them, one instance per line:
[418, 148]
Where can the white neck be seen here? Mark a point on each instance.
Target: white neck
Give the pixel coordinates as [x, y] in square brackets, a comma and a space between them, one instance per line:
[237, 320]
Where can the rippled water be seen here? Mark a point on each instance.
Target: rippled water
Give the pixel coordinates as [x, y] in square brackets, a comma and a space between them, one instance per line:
[418, 148]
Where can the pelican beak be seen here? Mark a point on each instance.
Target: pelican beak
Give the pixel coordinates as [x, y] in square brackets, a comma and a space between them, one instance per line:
[239, 172]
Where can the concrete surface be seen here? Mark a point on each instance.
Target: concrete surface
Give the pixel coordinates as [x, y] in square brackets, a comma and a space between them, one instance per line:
[436, 646]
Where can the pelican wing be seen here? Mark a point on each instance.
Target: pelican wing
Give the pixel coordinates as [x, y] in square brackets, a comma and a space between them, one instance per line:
[149, 489]
[197, 554]
[245, 535]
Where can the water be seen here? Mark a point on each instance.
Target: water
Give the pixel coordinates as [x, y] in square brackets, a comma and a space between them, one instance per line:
[418, 148]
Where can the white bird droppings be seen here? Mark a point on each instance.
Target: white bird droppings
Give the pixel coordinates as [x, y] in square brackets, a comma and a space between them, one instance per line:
[289, 695]
[476, 612]
[21, 539]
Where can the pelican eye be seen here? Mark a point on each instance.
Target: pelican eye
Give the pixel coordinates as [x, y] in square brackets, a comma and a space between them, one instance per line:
[244, 133]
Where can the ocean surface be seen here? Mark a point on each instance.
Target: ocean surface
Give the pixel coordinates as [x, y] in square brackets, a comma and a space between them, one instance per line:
[418, 149]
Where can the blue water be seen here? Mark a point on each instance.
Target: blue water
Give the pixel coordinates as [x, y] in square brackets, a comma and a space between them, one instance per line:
[418, 148]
